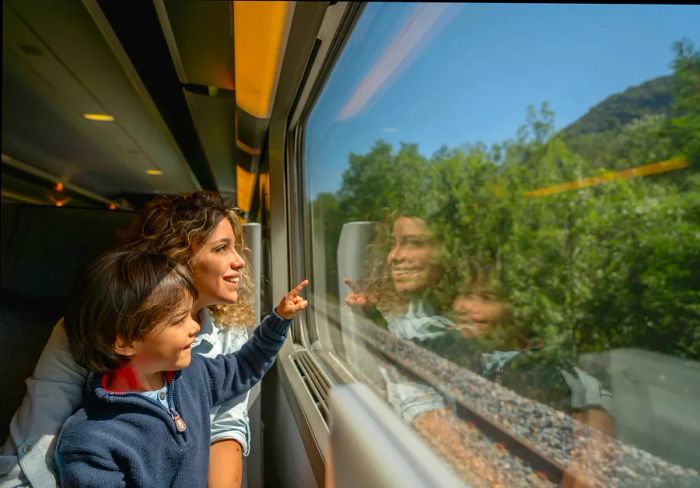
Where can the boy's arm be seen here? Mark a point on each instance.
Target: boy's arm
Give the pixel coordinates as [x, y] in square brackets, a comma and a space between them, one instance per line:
[234, 374]
[54, 391]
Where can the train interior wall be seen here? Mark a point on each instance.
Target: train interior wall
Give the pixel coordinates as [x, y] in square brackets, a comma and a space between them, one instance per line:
[286, 460]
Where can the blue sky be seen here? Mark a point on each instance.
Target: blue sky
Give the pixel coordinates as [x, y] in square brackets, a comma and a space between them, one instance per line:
[450, 74]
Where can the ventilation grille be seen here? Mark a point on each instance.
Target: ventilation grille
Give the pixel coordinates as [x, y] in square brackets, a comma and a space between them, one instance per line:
[315, 381]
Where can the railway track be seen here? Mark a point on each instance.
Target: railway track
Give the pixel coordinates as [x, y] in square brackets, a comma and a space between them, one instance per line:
[516, 446]
[520, 437]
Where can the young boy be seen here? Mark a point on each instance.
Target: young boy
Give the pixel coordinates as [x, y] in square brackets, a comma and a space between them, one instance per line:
[145, 421]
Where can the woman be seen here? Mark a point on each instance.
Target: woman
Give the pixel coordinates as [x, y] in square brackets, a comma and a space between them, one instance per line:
[404, 278]
[199, 231]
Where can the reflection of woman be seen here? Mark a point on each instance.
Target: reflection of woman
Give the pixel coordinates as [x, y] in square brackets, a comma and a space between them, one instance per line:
[404, 271]
[201, 232]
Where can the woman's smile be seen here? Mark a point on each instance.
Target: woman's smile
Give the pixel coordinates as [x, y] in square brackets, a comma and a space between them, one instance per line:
[232, 281]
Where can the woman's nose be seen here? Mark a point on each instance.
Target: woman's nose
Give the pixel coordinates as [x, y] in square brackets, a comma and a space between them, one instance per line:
[237, 262]
[396, 254]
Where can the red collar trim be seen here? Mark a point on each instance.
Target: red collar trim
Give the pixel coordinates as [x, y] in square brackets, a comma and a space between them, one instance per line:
[125, 375]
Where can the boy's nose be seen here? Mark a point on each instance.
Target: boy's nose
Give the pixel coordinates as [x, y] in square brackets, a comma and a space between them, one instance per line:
[194, 326]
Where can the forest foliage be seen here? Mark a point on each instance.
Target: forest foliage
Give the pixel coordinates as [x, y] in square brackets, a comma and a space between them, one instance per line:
[607, 266]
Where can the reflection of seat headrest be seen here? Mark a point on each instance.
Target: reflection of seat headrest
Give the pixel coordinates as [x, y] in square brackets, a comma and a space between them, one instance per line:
[44, 247]
[352, 246]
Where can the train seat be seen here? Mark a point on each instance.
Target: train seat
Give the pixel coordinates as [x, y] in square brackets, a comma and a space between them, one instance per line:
[43, 248]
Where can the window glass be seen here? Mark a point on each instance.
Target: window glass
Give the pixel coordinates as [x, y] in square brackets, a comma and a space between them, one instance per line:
[505, 220]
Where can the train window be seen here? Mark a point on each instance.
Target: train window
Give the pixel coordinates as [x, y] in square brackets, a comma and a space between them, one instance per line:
[504, 204]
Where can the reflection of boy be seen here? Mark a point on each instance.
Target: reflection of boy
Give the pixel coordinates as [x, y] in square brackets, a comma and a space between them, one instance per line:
[476, 313]
[146, 419]
[486, 341]
[537, 373]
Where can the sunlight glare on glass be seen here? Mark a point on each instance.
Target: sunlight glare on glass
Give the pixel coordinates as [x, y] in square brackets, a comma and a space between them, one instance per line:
[398, 55]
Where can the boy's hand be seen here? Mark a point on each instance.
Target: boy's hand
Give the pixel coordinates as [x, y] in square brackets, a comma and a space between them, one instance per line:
[358, 298]
[292, 303]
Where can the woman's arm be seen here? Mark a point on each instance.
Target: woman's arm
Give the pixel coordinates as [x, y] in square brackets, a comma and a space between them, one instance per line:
[229, 420]
[230, 428]
[54, 392]
[225, 464]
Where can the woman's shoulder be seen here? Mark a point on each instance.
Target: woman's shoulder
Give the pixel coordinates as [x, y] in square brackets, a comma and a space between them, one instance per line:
[223, 337]
[56, 359]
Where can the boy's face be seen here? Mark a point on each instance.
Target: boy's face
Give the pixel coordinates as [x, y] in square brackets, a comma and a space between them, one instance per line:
[477, 313]
[168, 347]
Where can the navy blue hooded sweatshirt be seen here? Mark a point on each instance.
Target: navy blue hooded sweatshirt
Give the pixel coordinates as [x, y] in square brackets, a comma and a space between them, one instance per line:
[125, 439]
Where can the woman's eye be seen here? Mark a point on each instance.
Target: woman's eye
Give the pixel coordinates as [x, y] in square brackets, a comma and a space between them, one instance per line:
[416, 242]
[220, 249]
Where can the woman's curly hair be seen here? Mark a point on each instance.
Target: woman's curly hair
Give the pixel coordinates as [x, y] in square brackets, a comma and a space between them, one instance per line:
[174, 225]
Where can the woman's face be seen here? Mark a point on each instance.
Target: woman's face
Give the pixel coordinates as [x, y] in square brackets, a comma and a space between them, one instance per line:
[412, 256]
[217, 267]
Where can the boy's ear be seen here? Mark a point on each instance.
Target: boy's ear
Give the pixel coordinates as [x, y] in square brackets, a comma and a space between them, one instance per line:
[124, 348]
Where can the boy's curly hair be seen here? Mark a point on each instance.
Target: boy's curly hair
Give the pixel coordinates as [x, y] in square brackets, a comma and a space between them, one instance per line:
[174, 225]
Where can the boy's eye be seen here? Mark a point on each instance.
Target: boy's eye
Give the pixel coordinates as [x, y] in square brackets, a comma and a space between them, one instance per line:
[179, 320]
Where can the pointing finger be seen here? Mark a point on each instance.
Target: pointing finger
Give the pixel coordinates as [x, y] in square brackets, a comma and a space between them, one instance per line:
[297, 289]
[353, 286]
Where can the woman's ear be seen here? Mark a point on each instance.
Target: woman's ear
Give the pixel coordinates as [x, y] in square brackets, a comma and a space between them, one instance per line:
[124, 348]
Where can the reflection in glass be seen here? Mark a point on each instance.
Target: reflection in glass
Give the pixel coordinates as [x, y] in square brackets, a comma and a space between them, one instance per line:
[504, 204]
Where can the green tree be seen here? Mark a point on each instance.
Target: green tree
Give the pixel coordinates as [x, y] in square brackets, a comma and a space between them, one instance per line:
[684, 129]
[584, 269]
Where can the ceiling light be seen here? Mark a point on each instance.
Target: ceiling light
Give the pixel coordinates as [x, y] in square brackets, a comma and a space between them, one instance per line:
[59, 203]
[99, 117]
[58, 186]
[154, 172]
